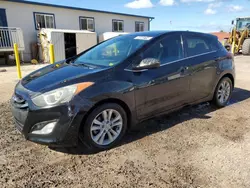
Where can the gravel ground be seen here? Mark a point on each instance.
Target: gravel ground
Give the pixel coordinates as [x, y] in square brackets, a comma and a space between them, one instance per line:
[8, 79]
[197, 146]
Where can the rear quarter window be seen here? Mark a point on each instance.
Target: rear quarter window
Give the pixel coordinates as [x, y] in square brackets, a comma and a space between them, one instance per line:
[220, 46]
[196, 45]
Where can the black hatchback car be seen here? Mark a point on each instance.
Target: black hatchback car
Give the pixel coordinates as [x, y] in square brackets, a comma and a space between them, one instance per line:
[109, 88]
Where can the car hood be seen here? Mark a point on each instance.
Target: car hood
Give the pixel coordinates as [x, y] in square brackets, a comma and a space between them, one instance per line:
[56, 74]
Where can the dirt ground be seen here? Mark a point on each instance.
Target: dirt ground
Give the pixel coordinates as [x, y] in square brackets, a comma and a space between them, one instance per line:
[8, 79]
[195, 147]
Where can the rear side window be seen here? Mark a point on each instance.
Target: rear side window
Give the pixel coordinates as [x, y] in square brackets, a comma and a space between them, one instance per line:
[196, 45]
[166, 50]
[221, 47]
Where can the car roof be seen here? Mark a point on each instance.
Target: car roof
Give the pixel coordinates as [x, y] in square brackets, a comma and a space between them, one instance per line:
[158, 33]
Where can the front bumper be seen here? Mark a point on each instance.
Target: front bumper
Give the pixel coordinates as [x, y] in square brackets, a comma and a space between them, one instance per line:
[68, 118]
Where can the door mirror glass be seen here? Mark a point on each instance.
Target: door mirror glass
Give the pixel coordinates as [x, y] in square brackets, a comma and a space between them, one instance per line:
[148, 63]
[232, 22]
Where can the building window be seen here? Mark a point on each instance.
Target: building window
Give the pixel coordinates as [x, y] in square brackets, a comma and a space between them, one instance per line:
[43, 20]
[139, 26]
[118, 26]
[87, 23]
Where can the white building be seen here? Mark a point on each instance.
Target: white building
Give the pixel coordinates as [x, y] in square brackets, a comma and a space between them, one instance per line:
[29, 16]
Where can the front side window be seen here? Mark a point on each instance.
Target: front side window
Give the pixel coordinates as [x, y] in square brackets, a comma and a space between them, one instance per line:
[139, 26]
[44, 20]
[166, 50]
[118, 25]
[87, 24]
[113, 51]
[197, 45]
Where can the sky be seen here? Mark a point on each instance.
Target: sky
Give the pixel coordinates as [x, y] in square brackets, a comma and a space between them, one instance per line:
[196, 15]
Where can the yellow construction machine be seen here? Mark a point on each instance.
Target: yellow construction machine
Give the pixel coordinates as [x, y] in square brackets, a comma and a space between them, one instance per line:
[239, 40]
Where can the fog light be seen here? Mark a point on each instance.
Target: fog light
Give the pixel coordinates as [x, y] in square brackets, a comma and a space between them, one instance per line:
[47, 129]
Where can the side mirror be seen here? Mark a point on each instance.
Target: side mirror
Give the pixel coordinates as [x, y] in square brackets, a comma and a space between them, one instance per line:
[148, 63]
[232, 22]
[228, 48]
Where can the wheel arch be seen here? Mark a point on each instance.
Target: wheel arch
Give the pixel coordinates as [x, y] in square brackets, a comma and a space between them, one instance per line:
[110, 100]
[226, 74]
[214, 97]
[230, 76]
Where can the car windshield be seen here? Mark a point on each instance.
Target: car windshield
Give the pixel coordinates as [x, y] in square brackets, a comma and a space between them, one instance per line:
[113, 51]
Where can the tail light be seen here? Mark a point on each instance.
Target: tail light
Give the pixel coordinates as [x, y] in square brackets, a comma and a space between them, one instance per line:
[231, 56]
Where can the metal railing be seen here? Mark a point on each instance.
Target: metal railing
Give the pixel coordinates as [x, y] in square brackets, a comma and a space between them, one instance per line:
[9, 36]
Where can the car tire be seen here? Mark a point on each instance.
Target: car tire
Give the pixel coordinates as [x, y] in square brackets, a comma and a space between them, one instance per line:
[96, 126]
[223, 92]
[246, 47]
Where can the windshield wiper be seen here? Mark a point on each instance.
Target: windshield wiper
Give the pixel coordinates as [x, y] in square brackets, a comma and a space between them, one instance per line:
[78, 65]
[86, 65]
[90, 65]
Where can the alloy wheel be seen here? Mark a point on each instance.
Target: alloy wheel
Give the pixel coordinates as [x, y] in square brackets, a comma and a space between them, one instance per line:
[224, 91]
[106, 127]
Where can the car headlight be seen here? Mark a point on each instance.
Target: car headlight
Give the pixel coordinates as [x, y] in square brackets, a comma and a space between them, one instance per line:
[60, 95]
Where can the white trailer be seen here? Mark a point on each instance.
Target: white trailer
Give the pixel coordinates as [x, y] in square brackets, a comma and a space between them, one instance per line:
[109, 35]
[67, 43]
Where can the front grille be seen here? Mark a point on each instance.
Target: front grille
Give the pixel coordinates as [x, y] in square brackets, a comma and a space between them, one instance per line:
[19, 107]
